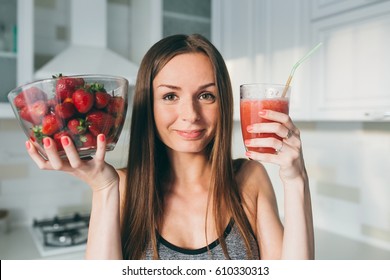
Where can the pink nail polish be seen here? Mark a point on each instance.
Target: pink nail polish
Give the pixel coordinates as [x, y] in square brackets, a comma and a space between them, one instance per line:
[102, 137]
[64, 141]
[46, 142]
[28, 145]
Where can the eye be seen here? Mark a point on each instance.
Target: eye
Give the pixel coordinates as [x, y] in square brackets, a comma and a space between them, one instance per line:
[170, 97]
[207, 96]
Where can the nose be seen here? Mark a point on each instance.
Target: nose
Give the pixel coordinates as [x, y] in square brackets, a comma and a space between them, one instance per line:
[189, 111]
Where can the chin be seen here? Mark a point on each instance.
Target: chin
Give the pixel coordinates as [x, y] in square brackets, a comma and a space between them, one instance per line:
[188, 149]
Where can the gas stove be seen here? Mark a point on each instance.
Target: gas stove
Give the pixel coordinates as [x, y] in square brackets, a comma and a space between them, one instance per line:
[61, 235]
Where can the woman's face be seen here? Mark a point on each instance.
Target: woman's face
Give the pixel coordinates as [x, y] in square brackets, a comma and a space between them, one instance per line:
[185, 103]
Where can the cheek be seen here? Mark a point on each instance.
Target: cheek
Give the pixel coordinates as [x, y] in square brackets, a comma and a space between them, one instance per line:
[212, 116]
[163, 118]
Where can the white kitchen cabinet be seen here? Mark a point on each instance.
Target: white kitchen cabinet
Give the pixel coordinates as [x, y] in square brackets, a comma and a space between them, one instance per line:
[322, 8]
[261, 41]
[152, 20]
[18, 65]
[234, 29]
[351, 80]
[8, 62]
[8, 56]
[345, 80]
[186, 16]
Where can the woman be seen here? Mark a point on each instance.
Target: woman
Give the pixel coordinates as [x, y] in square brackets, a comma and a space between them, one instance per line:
[181, 195]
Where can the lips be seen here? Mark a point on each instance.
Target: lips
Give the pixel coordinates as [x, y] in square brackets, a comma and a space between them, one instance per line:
[190, 134]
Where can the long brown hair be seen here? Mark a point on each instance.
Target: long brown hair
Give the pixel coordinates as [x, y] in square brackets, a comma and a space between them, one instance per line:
[148, 163]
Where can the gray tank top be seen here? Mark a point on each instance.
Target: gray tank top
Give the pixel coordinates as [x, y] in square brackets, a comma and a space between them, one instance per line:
[234, 243]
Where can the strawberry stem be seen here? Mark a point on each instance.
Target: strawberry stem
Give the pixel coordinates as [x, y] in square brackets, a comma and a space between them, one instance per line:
[97, 87]
[37, 130]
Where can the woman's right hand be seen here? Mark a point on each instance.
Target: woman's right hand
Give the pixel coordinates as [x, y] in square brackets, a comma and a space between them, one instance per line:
[95, 172]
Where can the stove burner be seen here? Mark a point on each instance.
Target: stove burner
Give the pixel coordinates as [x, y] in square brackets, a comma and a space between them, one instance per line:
[66, 238]
[64, 231]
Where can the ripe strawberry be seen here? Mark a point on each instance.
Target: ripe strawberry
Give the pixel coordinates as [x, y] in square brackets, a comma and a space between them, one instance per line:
[34, 94]
[102, 99]
[116, 105]
[118, 123]
[37, 111]
[77, 126]
[29, 96]
[99, 122]
[83, 100]
[67, 85]
[87, 140]
[25, 115]
[51, 124]
[20, 100]
[57, 139]
[65, 110]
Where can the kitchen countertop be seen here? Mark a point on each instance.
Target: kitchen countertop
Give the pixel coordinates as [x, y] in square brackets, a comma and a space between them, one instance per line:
[18, 244]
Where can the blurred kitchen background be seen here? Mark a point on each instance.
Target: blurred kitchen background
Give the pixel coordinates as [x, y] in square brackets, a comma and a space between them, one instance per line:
[340, 101]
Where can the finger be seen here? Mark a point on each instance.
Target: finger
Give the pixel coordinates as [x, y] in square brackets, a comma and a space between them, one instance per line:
[52, 153]
[281, 158]
[101, 147]
[268, 142]
[274, 116]
[294, 141]
[71, 152]
[36, 157]
[271, 127]
[284, 155]
[281, 118]
[279, 149]
[289, 134]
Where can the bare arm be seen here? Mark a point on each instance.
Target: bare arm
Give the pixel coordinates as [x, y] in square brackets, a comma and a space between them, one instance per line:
[104, 240]
[298, 239]
[298, 235]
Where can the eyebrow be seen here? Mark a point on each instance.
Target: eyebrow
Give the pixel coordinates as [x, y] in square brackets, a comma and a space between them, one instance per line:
[176, 87]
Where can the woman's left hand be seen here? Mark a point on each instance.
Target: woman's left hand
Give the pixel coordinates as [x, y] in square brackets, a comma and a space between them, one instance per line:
[288, 153]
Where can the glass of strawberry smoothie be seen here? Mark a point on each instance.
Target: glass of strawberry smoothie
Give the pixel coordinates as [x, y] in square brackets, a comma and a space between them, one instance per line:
[257, 97]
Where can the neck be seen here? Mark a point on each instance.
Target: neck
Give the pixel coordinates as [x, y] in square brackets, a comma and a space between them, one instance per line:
[190, 171]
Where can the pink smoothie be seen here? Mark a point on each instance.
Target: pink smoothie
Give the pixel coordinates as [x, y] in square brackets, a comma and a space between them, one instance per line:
[250, 115]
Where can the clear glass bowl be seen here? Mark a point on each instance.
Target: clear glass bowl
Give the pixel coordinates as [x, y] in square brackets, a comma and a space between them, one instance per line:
[80, 107]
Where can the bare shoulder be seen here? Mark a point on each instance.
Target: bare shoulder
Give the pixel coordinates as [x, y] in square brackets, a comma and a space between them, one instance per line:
[255, 186]
[261, 207]
[251, 177]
